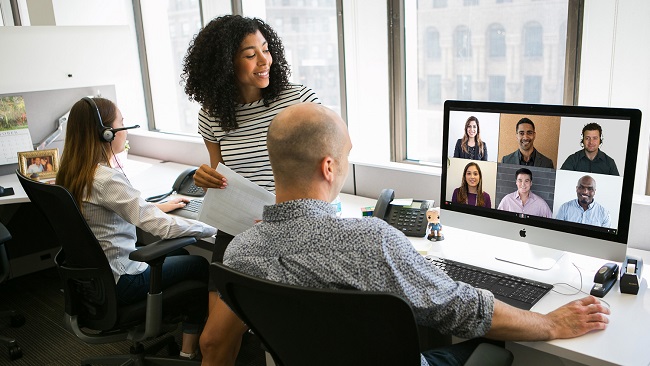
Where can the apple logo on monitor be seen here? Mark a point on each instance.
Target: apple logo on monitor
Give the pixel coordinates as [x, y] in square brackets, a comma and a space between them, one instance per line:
[522, 233]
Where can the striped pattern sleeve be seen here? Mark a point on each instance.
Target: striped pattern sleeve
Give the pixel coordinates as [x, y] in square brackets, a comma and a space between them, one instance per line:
[244, 149]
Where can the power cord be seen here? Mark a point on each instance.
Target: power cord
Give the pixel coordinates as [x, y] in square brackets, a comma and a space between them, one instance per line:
[578, 289]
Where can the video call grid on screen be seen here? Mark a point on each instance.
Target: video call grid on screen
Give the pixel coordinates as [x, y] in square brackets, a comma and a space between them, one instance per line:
[558, 135]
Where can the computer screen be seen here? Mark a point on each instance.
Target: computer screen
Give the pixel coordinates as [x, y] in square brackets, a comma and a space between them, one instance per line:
[554, 178]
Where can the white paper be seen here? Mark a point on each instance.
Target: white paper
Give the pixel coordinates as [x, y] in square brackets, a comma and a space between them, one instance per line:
[402, 202]
[237, 207]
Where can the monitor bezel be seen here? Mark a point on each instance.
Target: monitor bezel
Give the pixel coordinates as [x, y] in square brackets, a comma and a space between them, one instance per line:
[632, 115]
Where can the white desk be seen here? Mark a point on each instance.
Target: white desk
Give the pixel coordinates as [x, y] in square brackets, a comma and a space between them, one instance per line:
[150, 176]
[19, 195]
[627, 336]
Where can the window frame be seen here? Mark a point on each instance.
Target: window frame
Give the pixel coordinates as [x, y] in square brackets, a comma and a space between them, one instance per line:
[397, 74]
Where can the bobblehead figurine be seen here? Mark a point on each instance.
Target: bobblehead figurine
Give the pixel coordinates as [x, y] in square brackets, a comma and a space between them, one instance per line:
[434, 227]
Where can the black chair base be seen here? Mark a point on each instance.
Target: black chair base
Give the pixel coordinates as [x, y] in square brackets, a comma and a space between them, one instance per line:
[141, 355]
[14, 350]
[16, 320]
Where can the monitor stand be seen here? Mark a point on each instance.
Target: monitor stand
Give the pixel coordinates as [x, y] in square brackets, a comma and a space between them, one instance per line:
[529, 255]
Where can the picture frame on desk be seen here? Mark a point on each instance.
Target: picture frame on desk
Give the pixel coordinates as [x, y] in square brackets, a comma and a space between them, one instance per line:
[39, 164]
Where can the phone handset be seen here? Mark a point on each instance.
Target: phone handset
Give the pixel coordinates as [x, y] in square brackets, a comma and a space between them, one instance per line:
[385, 198]
[183, 185]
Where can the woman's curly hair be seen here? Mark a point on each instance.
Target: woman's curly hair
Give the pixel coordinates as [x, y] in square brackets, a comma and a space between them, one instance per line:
[209, 73]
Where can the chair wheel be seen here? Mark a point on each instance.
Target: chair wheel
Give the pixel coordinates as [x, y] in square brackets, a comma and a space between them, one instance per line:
[15, 352]
[172, 349]
[17, 320]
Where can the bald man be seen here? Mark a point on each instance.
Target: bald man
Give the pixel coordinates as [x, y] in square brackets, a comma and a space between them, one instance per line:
[301, 241]
[585, 209]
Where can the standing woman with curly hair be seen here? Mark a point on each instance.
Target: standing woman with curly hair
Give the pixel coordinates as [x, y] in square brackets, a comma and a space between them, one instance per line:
[236, 69]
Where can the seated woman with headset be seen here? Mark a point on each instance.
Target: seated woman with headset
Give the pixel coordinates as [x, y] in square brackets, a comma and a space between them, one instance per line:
[113, 209]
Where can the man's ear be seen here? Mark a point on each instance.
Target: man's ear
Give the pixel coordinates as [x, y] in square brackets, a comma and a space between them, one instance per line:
[328, 168]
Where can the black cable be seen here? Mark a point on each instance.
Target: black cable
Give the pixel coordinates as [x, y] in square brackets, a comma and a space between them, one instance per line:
[159, 197]
[117, 161]
[579, 290]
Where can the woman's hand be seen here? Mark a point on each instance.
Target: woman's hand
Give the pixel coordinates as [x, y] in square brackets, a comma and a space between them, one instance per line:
[173, 204]
[206, 177]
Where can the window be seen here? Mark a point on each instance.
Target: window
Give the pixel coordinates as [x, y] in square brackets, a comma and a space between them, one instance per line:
[432, 46]
[433, 90]
[533, 44]
[497, 88]
[462, 42]
[310, 44]
[168, 29]
[464, 87]
[477, 62]
[532, 89]
[497, 40]
[308, 32]
[439, 3]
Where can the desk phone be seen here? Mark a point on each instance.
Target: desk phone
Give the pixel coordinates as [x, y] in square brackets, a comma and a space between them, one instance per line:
[411, 219]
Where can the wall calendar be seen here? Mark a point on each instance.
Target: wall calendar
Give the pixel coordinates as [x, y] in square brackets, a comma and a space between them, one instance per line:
[14, 134]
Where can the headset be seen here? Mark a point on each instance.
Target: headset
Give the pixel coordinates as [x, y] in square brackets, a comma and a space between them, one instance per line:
[591, 127]
[107, 134]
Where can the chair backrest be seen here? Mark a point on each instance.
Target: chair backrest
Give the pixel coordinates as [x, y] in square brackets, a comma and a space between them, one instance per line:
[307, 326]
[89, 285]
[4, 260]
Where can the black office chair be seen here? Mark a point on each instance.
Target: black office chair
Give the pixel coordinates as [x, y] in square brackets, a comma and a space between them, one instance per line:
[16, 319]
[306, 326]
[91, 309]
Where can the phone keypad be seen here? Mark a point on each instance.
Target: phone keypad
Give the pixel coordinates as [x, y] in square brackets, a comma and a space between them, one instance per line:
[193, 190]
[411, 221]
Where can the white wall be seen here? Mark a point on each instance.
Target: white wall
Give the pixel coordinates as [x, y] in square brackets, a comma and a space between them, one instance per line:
[62, 57]
[614, 70]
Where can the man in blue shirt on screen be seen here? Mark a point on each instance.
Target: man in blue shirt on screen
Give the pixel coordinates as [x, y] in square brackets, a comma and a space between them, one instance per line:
[585, 209]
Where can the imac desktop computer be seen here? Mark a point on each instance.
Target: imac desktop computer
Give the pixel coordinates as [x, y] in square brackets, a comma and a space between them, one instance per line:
[544, 178]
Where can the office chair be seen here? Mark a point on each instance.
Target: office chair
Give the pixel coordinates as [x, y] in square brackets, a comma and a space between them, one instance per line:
[307, 326]
[92, 312]
[16, 319]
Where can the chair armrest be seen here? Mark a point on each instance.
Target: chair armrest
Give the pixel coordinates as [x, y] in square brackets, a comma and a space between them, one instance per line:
[4, 234]
[487, 354]
[154, 251]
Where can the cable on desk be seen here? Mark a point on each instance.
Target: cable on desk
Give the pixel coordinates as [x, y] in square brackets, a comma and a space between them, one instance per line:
[578, 290]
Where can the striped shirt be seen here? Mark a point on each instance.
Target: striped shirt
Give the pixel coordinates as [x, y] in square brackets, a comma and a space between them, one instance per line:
[244, 149]
[113, 211]
[302, 242]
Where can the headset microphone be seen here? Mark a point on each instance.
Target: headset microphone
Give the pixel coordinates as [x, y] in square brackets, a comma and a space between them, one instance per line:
[124, 128]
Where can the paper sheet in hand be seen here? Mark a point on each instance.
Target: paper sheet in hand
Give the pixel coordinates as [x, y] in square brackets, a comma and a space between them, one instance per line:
[237, 207]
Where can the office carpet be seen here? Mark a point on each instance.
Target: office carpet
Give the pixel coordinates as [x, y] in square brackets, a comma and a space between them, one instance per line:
[43, 338]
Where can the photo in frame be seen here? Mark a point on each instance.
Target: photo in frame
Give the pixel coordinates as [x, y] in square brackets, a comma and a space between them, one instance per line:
[39, 164]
